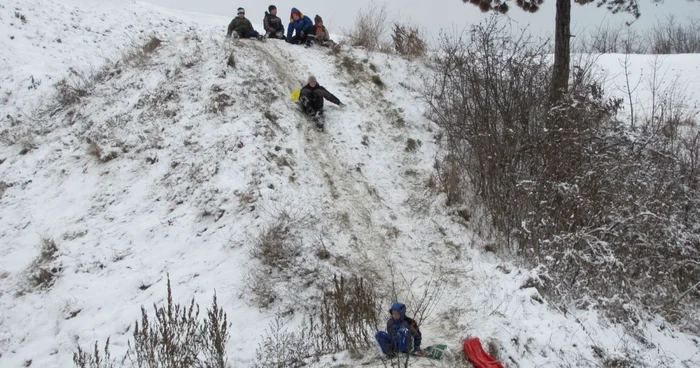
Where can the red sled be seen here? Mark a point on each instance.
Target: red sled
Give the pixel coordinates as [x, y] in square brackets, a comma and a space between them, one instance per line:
[478, 356]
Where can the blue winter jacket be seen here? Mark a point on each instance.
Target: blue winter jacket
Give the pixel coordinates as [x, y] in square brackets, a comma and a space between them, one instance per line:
[300, 25]
[393, 326]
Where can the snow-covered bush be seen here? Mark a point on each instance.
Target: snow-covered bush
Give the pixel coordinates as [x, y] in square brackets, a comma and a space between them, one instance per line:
[282, 348]
[608, 211]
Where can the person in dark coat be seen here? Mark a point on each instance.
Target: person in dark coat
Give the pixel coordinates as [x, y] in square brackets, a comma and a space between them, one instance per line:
[299, 26]
[273, 24]
[400, 330]
[242, 26]
[311, 100]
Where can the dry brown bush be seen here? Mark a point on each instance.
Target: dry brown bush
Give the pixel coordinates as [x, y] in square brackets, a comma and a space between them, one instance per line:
[44, 270]
[408, 41]
[370, 28]
[349, 315]
[177, 337]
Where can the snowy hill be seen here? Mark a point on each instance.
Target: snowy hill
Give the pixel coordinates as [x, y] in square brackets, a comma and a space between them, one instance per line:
[138, 163]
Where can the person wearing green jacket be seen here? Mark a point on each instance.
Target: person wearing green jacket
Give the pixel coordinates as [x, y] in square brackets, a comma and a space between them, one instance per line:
[242, 26]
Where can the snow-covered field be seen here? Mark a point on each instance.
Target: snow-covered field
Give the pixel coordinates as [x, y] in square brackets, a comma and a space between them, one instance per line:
[175, 163]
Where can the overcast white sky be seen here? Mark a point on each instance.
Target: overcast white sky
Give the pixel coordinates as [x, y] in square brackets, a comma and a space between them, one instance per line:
[434, 15]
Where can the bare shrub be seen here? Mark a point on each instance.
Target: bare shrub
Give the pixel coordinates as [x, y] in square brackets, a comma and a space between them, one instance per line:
[370, 28]
[612, 39]
[281, 268]
[351, 65]
[422, 303]
[152, 44]
[377, 80]
[412, 145]
[27, 144]
[674, 37]
[72, 89]
[219, 100]
[604, 208]
[408, 41]
[137, 55]
[280, 348]
[275, 247]
[177, 338]
[348, 317]
[3, 188]
[86, 359]
[271, 116]
[96, 151]
[669, 36]
[43, 271]
[448, 173]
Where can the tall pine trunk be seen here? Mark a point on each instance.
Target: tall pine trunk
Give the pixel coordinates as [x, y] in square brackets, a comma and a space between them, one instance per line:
[562, 49]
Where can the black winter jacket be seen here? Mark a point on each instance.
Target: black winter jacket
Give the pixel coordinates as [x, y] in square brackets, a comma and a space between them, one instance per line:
[272, 23]
[309, 91]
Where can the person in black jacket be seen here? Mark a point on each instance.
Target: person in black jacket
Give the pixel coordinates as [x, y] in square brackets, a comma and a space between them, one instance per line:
[311, 99]
[312, 96]
[273, 24]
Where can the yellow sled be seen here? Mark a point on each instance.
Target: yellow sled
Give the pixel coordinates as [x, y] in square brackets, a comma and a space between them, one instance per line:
[295, 95]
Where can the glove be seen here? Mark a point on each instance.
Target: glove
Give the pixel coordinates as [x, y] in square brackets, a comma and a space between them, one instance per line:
[341, 104]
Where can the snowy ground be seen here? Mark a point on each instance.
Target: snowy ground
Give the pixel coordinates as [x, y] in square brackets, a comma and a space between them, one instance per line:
[201, 158]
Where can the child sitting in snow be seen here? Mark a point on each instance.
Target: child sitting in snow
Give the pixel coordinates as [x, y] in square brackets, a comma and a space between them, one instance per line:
[319, 34]
[399, 332]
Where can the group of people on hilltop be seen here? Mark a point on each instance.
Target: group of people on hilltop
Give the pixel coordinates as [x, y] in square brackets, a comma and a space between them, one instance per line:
[301, 30]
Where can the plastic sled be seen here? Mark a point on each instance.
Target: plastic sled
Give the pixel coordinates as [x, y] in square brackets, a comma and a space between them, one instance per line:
[478, 356]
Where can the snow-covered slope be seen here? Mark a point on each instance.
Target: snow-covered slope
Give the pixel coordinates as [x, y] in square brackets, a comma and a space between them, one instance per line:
[175, 163]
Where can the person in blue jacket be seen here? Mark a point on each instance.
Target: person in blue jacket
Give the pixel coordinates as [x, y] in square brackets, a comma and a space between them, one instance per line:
[299, 27]
[400, 330]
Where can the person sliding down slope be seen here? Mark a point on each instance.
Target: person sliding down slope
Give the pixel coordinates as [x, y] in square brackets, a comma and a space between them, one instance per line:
[312, 96]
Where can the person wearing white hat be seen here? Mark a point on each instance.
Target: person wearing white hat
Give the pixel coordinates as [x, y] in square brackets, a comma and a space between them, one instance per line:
[242, 26]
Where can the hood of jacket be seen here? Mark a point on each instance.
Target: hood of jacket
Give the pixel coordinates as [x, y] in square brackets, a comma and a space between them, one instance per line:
[399, 307]
[295, 10]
